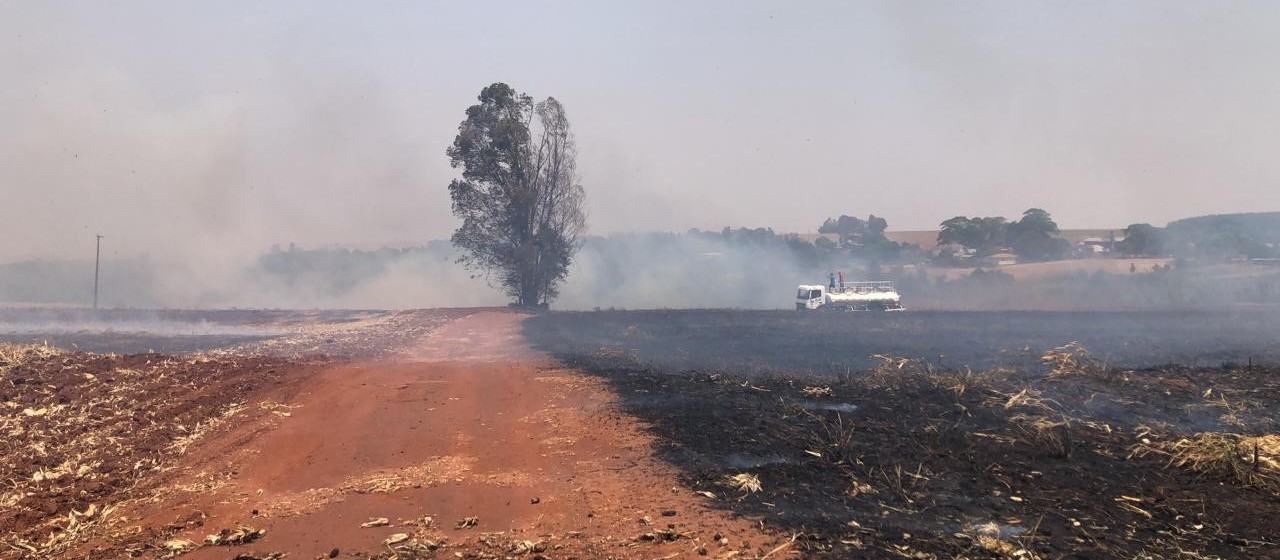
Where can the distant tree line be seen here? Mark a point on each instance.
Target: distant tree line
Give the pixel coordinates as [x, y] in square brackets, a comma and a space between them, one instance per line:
[335, 270]
[1033, 237]
[862, 239]
[858, 244]
[1215, 237]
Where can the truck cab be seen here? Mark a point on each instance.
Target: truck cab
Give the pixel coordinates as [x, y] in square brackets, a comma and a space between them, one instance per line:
[810, 297]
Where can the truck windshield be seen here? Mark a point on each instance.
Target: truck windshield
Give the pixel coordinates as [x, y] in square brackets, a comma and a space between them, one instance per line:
[804, 294]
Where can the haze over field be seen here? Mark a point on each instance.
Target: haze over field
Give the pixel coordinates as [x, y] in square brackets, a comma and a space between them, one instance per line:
[201, 134]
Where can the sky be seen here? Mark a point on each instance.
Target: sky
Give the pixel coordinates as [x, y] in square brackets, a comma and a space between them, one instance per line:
[220, 128]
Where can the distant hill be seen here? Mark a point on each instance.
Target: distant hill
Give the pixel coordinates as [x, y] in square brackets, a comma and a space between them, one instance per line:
[1224, 236]
[1259, 226]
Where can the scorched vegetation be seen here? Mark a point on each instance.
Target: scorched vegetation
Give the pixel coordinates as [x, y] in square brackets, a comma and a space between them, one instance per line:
[1053, 453]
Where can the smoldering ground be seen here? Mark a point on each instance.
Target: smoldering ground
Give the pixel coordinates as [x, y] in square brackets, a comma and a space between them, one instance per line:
[836, 343]
[910, 459]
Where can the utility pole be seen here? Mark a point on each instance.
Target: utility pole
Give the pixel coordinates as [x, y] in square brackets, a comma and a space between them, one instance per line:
[97, 260]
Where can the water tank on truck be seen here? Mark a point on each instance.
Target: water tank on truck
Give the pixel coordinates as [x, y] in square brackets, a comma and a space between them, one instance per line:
[849, 296]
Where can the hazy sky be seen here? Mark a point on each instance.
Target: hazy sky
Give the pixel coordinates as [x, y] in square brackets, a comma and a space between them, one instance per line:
[219, 128]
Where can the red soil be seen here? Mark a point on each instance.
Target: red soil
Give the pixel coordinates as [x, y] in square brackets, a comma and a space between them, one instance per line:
[471, 423]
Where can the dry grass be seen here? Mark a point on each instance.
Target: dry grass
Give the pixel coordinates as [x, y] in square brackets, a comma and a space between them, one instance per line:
[746, 482]
[1047, 434]
[14, 355]
[1247, 460]
[73, 422]
[1071, 358]
[1037, 420]
[816, 392]
[203, 428]
[989, 537]
[897, 365]
[1028, 398]
[834, 437]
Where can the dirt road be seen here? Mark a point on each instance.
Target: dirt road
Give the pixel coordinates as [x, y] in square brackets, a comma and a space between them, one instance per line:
[470, 428]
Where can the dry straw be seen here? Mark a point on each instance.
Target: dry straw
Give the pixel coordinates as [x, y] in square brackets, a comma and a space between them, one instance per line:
[1248, 460]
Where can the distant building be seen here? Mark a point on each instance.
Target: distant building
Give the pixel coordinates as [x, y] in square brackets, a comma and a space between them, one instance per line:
[1095, 245]
[953, 250]
[1000, 259]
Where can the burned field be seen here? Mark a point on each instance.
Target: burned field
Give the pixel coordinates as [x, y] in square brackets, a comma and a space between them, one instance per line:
[762, 341]
[1036, 452]
[837, 445]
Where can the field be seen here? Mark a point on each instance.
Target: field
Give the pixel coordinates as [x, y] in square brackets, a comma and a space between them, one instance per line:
[1056, 269]
[1012, 445]
[787, 341]
[419, 434]
[485, 434]
[125, 331]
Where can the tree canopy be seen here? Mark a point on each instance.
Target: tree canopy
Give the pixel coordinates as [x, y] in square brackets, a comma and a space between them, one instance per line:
[1142, 240]
[519, 199]
[862, 238]
[1033, 237]
[983, 235]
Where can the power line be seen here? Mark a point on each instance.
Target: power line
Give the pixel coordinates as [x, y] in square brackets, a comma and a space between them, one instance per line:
[97, 260]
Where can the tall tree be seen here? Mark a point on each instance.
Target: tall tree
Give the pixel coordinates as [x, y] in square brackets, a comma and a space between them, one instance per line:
[876, 225]
[959, 230]
[1142, 240]
[847, 227]
[983, 235]
[1034, 237]
[1037, 220]
[854, 231]
[519, 199]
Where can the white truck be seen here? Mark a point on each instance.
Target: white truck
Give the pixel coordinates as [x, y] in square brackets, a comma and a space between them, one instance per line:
[849, 296]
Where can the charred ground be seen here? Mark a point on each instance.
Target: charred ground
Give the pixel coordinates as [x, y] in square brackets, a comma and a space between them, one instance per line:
[757, 341]
[1068, 457]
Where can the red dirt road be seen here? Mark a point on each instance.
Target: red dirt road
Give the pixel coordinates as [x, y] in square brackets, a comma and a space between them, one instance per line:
[472, 423]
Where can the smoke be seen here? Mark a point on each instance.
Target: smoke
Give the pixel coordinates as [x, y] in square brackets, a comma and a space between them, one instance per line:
[294, 279]
[694, 270]
[194, 137]
[744, 268]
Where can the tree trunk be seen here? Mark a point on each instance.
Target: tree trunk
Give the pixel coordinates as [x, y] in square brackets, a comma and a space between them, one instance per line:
[528, 290]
